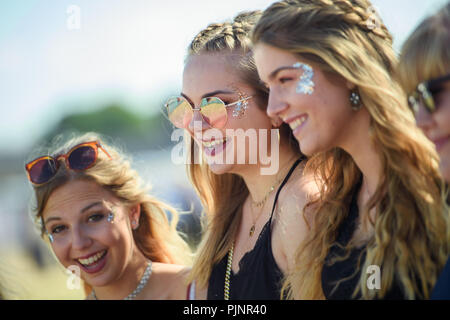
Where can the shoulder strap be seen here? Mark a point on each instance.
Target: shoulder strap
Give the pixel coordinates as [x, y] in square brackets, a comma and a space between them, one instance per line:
[296, 163]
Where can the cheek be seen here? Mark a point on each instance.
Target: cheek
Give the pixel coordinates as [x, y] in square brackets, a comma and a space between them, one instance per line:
[442, 115]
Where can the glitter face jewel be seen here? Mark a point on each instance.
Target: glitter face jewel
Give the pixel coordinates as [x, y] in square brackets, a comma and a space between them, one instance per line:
[241, 106]
[110, 217]
[305, 85]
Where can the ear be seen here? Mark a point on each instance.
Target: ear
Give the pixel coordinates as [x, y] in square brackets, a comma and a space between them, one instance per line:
[350, 85]
[135, 213]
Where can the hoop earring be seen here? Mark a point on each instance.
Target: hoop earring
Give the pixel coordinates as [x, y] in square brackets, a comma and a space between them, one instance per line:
[355, 100]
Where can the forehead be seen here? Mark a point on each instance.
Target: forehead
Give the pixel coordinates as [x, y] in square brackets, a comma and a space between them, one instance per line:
[73, 196]
[269, 58]
[209, 72]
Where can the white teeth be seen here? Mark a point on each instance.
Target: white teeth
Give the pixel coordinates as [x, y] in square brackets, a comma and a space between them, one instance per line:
[212, 144]
[297, 122]
[92, 259]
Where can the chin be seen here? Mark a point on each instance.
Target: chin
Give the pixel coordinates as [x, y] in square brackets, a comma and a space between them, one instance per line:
[221, 168]
[444, 166]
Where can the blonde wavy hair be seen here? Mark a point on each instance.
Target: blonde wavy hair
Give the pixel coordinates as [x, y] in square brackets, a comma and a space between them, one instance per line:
[156, 237]
[223, 195]
[411, 240]
[426, 53]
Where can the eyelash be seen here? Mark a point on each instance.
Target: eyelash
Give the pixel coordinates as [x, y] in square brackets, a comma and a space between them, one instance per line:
[284, 80]
[98, 217]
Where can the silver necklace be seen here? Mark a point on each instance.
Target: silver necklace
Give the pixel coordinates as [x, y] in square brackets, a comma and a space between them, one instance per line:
[140, 286]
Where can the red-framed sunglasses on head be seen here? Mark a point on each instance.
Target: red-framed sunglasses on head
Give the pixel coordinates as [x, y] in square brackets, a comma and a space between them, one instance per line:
[81, 157]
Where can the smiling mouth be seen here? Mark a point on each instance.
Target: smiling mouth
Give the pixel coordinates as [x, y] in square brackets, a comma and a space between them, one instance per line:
[297, 122]
[92, 260]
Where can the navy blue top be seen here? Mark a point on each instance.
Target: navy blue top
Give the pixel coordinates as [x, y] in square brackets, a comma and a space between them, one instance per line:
[259, 277]
[333, 273]
[441, 289]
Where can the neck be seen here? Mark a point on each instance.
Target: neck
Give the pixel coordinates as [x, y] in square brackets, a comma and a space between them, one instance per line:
[259, 184]
[365, 155]
[127, 282]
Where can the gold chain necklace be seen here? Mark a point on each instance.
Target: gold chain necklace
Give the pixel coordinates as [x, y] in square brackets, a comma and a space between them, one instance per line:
[226, 293]
[260, 204]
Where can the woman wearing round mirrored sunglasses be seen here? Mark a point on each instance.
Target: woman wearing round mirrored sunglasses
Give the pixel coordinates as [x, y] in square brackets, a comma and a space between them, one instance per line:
[254, 219]
[379, 230]
[424, 71]
[102, 225]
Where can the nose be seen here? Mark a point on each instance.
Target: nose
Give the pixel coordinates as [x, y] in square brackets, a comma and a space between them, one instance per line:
[276, 106]
[424, 119]
[80, 240]
[197, 123]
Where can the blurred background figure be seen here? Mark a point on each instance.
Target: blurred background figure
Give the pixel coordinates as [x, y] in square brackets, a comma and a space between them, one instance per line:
[104, 66]
[424, 72]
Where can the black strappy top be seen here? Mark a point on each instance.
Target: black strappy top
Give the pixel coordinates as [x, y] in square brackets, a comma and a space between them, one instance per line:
[343, 269]
[259, 277]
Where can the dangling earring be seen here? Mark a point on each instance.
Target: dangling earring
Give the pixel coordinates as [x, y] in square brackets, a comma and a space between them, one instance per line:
[355, 100]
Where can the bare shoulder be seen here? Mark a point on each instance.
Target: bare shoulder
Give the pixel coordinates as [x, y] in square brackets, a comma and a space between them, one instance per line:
[301, 189]
[169, 281]
[293, 219]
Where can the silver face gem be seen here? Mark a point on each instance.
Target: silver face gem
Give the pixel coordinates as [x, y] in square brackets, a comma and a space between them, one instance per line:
[305, 85]
[110, 217]
[50, 237]
[240, 108]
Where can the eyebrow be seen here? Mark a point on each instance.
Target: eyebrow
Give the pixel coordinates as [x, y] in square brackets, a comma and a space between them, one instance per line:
[209, 94]
[273, 74]
[81, 212]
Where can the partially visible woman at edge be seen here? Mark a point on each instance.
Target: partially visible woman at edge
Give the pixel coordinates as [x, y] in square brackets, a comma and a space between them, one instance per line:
[253, 219]
[424, 72]
[379, 230]
[98, 217]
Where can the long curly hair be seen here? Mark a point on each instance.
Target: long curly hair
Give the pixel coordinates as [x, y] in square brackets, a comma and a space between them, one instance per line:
[410, 243]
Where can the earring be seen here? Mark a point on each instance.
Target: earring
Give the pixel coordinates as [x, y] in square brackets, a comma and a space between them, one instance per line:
[110, 217]
[135, 225]
[305, 85]
[355, 100]
[241, 107]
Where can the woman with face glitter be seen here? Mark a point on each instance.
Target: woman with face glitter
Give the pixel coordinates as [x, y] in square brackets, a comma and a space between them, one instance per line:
[100, 221]
[254, 220]
[379, 230]
[424, 72]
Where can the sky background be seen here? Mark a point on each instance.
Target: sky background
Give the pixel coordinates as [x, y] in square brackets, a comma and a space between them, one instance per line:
[126, 51]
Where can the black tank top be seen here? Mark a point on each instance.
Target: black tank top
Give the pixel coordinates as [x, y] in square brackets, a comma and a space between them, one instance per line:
[332, 274]
[259, 277]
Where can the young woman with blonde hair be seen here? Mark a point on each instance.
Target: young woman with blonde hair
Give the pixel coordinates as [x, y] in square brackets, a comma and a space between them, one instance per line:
[424, 73]
[253, 225]
[99, 219]
[379, 230]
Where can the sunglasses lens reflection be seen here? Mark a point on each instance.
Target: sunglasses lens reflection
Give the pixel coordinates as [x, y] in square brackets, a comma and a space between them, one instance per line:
[42, 170]
[180, 112]
[214, 112]
[81, 158]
